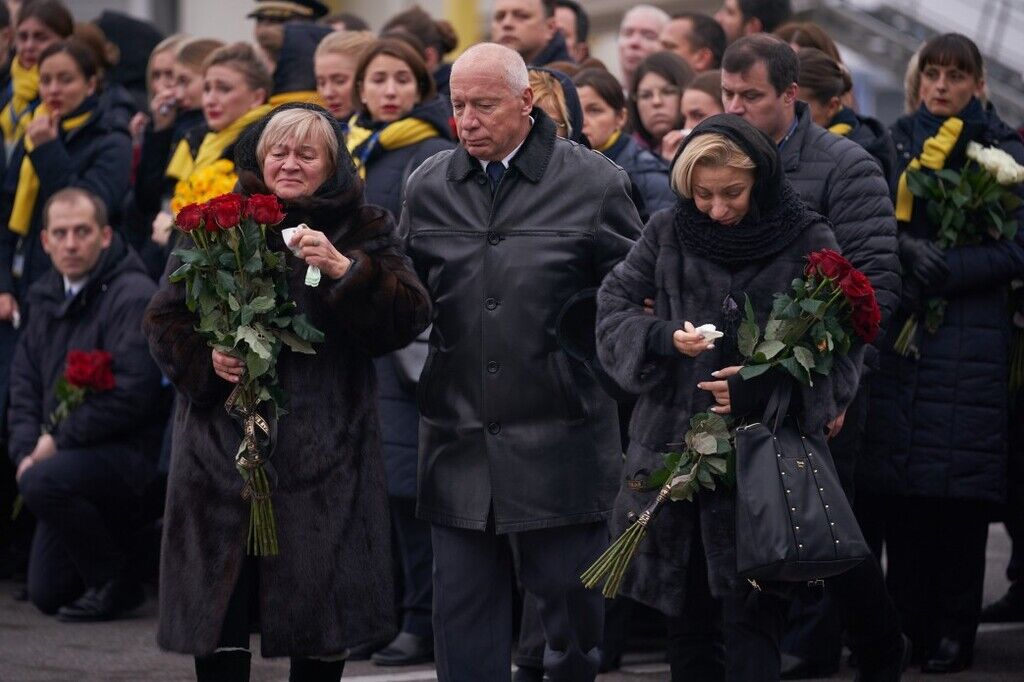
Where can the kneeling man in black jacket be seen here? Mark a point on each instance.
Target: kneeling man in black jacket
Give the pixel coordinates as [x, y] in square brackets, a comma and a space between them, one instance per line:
[83, 477]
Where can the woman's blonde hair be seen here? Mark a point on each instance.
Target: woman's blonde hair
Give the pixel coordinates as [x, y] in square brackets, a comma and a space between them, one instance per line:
[710, 150]
[346, 43]
[547, 87]
[192, 53]
[300, 126]
[168, 44]
[242, 58]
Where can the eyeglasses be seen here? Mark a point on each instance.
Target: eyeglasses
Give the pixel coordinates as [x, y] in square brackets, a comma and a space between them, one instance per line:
[666, 92]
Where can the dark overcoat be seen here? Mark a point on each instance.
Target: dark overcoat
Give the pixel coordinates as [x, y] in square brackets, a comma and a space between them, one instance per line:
[124, 424]
[685, 286]
[511, 427]
[939, 424]
[330, 587]
[839, 179]
[648, 172]
[386, 172]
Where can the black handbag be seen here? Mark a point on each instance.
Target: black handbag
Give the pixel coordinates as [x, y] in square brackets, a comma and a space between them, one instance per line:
[793, 521]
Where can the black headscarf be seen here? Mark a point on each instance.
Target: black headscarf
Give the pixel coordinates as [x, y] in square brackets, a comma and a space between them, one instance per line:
[572, 104]
[776, 214]
[341, 192]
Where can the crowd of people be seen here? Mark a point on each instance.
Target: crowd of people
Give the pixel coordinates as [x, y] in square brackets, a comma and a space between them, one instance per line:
[516, 247]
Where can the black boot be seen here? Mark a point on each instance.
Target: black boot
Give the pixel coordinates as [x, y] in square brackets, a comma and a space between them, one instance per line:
[224, 666]
[312, 670]
[951, 656]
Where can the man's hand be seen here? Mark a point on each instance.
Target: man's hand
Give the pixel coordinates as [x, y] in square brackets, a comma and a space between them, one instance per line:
[720, 388]
[689, 341]
[8, 306]
[46, 447]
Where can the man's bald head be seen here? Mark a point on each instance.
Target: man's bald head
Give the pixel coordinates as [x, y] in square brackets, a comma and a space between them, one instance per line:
[492, 100]
[494, 58]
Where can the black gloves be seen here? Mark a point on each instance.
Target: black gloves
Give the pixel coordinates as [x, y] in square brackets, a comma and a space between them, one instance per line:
[924, 260]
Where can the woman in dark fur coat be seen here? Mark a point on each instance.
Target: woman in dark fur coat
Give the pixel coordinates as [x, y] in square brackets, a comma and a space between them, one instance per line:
[330, 587]
[738, 229]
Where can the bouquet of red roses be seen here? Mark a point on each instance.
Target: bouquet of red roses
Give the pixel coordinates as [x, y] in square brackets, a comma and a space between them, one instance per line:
[85, 372]
[238, 288]
[828, 306]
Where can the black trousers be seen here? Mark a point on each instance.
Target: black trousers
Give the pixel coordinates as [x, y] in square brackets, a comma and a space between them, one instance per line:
[473, 598]
[733, 639]
[936, 567]
[86, 513]
[857, 601]
[412, 537]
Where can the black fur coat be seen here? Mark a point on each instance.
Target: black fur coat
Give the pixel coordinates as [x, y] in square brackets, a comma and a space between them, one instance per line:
[330, 587]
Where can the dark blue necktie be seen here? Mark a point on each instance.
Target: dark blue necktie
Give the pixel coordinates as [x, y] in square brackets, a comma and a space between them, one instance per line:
[495, 169]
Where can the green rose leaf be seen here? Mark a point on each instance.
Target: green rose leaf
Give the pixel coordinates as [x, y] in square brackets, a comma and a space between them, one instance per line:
[751, 371]
[705, 444]
[305, 330]
[770, 349]
[804, 357]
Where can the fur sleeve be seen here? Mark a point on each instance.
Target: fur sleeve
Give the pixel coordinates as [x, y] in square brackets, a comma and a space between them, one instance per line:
[181, 353]
[622, 324]
[380, 300]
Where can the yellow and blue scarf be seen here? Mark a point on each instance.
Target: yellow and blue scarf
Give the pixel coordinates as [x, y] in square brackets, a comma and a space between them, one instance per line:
[28, 181]
[183, 164]
[364, 142]
[24, 98]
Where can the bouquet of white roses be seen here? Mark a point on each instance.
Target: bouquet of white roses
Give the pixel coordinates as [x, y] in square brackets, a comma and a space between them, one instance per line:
[968, 206]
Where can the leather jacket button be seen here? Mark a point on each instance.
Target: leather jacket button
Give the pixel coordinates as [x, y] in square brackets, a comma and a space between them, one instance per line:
[491, 303]
[493, 367]
[481, 179]
[494, 428]
[493, 238]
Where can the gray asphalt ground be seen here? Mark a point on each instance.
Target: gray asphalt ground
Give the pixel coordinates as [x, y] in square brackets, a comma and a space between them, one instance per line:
[36, 648]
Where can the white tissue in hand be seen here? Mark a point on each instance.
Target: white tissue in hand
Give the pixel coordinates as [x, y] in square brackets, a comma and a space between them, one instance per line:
[289, 232]
[312, 272]
[709, 332]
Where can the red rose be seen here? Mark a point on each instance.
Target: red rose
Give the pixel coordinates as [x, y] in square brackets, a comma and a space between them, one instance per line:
[90, 369]
[856, 287]
[224, 211]
[866, 319]
[827, 263]
[189, 218]
[265, 209]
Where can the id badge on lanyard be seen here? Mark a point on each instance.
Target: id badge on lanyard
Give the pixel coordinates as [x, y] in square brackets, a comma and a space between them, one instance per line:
[18, 263]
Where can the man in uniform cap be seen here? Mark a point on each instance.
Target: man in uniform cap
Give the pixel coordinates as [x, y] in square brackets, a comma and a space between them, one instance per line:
[271, 15]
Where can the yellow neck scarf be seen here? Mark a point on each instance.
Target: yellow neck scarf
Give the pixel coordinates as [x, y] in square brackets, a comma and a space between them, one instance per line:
[25, 90]
[212, 148]
[304, 96]
[934, 153]
[841, 129]
[402, 133]
[28, 182]
[611, 141]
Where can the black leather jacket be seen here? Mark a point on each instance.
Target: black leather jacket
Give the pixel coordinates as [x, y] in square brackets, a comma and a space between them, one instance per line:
[509, 421]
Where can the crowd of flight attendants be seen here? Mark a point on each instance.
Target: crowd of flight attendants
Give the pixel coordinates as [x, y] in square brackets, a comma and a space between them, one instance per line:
[109, 128]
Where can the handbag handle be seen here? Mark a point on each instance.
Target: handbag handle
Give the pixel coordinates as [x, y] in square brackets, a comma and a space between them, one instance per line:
[778, 405]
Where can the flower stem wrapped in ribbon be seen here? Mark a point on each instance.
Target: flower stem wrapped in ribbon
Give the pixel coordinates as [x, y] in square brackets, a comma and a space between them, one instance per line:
[238, 288]
[968, 206]
[830, 305]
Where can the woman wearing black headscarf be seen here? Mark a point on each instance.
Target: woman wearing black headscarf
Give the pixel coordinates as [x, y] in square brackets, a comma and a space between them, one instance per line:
[739, 229]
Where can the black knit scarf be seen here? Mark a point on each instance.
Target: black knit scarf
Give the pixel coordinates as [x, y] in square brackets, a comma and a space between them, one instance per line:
[776, 214]
[753, 238]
